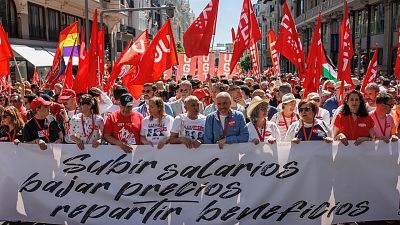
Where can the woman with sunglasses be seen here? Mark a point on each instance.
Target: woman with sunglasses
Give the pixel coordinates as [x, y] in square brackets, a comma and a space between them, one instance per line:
[157, 126]
[353, 121]
[260, 129]
[87, 126]
[12, 125]
[309, 127]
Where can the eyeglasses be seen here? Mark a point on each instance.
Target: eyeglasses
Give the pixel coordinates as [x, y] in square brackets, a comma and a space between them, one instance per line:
[305, 109]
[388, 104]
[146, 91]
[183, 90]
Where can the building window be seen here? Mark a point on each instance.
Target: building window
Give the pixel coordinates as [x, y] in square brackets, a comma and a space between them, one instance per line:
[54, 24]
[37, 25]
[8, 17]
[378, 19]
[300, 7]
[396, 14]
[67, 19]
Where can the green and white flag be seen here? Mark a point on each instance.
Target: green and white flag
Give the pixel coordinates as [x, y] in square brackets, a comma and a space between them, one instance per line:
[329, 72]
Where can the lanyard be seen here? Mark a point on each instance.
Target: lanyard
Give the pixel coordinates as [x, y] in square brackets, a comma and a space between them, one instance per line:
[84, 130]
[261, 137]
[304, 131]
[284, 120]
[226, 124]
[383, 130]
[44, 125]
[13, 137]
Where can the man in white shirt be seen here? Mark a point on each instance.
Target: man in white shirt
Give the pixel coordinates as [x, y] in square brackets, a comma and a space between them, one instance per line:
[189, 128]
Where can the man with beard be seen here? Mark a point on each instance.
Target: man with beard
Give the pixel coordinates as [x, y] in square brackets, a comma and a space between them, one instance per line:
[148, 92]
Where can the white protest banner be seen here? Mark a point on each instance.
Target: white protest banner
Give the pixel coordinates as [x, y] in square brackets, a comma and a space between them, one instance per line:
[309, 183]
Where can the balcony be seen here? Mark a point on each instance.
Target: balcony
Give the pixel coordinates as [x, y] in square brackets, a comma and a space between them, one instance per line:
[324, 7]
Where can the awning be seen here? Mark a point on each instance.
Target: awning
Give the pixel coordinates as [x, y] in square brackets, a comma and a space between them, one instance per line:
[38, 56]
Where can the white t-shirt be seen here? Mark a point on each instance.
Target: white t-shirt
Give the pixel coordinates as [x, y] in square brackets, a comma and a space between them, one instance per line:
[192, 129]
[91, 130]
[271, 131]
[155, 131]
[283, 123]
[67, 126]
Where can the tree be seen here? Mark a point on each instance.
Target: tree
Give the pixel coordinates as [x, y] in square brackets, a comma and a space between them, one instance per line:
[179, 47]
[245, 63]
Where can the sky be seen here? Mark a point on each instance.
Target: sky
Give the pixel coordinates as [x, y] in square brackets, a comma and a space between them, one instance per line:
[228, 17]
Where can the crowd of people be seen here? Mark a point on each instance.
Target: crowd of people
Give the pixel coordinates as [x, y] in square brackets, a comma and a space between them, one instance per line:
[191, 112]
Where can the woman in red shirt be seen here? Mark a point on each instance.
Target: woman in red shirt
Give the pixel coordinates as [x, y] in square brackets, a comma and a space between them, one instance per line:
[353, 122]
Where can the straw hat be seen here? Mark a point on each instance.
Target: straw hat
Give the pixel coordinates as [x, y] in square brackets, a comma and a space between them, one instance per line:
[253, 104]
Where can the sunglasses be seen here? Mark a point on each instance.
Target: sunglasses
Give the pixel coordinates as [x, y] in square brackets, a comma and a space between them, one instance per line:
[183, 90]
[305, 109]
[390, 105]
[146, 91]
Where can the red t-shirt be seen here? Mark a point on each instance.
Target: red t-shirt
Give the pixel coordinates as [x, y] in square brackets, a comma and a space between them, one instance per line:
[354, 129]
[126, 129]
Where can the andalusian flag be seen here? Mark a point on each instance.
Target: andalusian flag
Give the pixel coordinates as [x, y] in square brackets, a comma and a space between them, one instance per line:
[329, 72]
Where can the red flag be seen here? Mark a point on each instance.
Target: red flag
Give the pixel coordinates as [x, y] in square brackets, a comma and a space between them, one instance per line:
[5, 48]
[4, 67]
[82, 48]
[372, 70]
[225, 60]
[345, 51]
[248, 31]
[397, 66]
[87, 75]
[101, 54]
[233, 34]
[197, 37]
[187, 66]
[35, 79]
[205, 66]
[93, 78]
[273, 52]
[160, 56]
[288, 43]
[255, 59]
[131, 55]
[316, 58]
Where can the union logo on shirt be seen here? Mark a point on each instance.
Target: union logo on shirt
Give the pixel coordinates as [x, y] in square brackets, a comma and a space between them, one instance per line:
[362, 125]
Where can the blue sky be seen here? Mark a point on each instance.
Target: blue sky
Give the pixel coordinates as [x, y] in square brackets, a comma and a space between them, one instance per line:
[228, 17]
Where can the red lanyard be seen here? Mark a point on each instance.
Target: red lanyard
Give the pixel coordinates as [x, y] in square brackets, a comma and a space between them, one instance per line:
[261, 137]
[383, 130]
[40, 127]
[13, 137]
[304, 130]
[84, 130]
[226, 124]
[284, 120]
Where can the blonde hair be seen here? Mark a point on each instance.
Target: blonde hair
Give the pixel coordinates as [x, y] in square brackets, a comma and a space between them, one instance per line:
[16, 118]
[160, 105]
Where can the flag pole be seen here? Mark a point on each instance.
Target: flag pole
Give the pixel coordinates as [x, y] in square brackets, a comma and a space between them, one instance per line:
[16, 65]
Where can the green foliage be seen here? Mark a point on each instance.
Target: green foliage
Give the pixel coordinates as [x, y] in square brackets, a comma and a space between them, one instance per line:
[245, 63]
[179, 47]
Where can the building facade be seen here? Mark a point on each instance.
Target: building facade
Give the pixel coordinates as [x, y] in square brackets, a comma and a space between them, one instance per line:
[33, 27]
[372, 22]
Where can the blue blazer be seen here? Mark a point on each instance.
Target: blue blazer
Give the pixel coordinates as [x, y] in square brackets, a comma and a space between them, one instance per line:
[237, 131]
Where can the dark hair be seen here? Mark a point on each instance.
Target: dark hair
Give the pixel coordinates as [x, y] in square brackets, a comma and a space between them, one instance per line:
[362, 109]
[118, 91]
[225, 81]
[312, 104]
[238, 82]
[90, 99]
[233, 88]
[245, 89]
[256, 86]
[383, 98]
[153, 86]
[30, 97]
